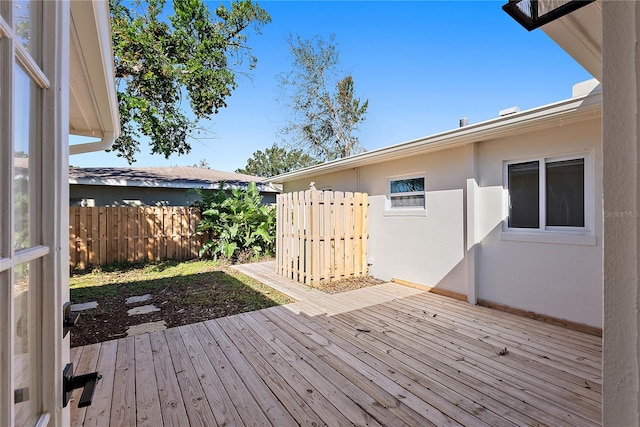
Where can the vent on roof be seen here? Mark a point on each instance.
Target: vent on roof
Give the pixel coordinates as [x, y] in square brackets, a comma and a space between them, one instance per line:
[510, 110]
[464, 121]
[586, 87]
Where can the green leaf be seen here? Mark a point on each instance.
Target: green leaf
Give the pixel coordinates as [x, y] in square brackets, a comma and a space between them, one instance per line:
[229, 249]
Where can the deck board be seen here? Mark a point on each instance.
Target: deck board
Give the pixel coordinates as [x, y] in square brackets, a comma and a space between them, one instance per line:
[98, 413]
[147, 400]
[171, 403]
[123, 404]
[384, 355]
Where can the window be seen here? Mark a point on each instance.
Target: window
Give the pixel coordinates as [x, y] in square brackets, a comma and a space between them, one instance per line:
[548, 194]
[407, 192]
[78, 201]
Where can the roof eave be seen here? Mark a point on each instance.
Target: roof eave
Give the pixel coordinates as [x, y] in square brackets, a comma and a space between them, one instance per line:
[93, 98]
[556, 114]
[580, 35]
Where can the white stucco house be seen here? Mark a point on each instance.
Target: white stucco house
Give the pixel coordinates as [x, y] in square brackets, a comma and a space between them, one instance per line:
[503, 213]
[56, 78]
[602, 36]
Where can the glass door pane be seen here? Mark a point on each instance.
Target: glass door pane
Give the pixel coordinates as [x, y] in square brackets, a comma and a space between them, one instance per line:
[23, 345]
[26, 116]
[27, 25]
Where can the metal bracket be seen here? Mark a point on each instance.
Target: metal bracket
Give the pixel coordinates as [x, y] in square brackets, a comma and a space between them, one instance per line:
[86, 381]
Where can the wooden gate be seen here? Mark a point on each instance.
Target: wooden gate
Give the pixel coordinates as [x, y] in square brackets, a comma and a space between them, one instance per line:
[321, 235]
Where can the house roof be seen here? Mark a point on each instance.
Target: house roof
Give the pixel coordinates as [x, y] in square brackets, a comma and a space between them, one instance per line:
[579, 33]
[165, 177]
[575, 109]
[93, 104]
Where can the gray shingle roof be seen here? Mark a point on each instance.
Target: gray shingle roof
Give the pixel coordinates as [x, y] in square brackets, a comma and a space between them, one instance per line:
[173, 177]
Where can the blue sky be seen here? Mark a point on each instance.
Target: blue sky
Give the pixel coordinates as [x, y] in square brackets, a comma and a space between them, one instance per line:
[421, 64]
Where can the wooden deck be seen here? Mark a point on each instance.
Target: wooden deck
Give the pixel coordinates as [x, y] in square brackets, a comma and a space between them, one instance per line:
[386, 355]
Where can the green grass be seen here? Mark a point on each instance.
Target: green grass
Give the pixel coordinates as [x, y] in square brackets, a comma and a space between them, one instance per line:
[193, 282]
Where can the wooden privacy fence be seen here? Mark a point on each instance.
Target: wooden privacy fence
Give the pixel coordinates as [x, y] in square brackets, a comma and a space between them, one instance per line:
[107, 235]
[321, 235]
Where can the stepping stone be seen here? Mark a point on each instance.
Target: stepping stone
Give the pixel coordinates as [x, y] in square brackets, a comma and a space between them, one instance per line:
[144, 328]
[143, 309]
[84, 306]
[137, 299]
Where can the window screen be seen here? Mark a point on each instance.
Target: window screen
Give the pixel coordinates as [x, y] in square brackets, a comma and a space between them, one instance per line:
[524, 195]
[565, 193]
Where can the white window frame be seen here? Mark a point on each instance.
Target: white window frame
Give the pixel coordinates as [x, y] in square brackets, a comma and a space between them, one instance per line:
[553, 234]
[391, 210]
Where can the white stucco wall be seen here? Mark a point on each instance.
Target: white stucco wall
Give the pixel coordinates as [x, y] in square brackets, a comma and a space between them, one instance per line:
[556, 279]
[550, 278]
[346, 180]
[428, 248]
[621, 121]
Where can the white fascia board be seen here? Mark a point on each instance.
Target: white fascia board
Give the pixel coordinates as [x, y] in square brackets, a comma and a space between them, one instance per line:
[548, 116]
[580, 35]
[91, 22]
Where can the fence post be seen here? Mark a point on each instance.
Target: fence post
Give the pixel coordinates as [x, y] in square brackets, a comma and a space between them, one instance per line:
[364, 235]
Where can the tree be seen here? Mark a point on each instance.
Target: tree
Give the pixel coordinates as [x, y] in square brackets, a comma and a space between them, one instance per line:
[276, 160]
[325, 109]
[203, 164]
[161, 58]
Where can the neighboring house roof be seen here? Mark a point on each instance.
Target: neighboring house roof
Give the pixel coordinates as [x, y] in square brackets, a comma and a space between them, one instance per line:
[166, 177]
[580, 107]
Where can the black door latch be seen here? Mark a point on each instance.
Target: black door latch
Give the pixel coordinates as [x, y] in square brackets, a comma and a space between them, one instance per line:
[69, 319]
[71, 382]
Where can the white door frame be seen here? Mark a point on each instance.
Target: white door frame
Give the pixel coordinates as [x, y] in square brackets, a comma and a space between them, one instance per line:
[48, 213]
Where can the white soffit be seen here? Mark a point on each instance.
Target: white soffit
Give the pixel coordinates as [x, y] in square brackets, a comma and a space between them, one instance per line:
[580, 35]
[93, 106]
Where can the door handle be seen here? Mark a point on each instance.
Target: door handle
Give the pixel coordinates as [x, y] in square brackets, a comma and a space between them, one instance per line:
[85, 381]
[69, 319]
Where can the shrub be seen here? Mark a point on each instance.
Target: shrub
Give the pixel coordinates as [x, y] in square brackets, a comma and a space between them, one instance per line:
[235, 223]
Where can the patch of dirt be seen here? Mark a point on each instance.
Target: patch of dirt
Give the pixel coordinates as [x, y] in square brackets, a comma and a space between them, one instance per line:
[348, 284]
[181, 300]
[181, 303]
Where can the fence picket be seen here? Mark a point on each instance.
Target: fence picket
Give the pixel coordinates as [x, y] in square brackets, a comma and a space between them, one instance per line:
[315, 216]
[348, 234]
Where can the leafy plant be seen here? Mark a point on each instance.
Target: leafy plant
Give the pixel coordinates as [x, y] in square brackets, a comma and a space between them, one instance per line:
[236, 222]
